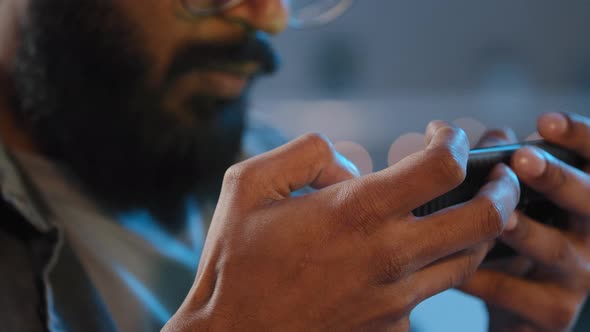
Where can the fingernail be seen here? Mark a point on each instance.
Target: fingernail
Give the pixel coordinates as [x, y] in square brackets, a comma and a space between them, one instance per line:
[553, 123]
[512, 222]
[531, 162]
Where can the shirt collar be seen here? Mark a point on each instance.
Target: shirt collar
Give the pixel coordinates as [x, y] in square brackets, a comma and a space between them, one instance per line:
[17, 190]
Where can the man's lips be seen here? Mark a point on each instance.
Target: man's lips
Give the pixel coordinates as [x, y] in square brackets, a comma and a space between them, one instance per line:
[247, 69]
[247, 57]
[224, 80]
[221, 82]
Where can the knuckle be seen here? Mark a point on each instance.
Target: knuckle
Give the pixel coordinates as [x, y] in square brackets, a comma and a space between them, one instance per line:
[468, 267]
[390, 267]
[353, 213]
[490, 217]
[237, 174]
[321, 144]
[563, 252]
[457, 133]
[450, 131]
[449, 166]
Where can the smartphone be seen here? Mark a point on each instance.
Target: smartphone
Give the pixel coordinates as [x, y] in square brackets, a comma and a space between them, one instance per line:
[480, 164]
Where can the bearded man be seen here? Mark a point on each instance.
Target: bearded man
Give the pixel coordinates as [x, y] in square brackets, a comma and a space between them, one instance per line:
[119, 121]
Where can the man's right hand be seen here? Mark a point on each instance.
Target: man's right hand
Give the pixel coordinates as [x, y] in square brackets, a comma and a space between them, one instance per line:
[349, 256]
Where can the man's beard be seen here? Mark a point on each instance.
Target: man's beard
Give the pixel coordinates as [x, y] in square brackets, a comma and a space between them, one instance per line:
[82, 92]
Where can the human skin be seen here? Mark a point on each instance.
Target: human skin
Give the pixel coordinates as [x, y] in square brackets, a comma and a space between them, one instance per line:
[545, 287]
[163, 27]
[349, 256]
[185, 100]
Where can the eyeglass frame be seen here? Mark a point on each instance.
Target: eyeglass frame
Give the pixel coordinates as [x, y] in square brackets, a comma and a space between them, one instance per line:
[324, 18]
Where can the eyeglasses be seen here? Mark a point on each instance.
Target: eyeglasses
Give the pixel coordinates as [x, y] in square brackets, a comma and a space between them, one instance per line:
[303, 13]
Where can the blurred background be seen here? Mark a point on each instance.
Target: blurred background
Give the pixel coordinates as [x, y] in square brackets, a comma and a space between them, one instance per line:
[372, 80]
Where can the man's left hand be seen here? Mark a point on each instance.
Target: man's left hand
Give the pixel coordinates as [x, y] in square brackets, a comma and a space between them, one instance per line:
[545, 287]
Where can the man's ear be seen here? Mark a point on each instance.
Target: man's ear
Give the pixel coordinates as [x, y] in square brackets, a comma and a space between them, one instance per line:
[12, 13]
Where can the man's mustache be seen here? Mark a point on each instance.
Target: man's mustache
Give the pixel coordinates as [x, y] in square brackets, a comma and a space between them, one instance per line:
[255, 48]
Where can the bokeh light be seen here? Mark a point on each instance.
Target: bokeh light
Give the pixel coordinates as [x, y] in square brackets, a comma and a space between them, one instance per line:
[472, 127]
[356, 153]
[534, 137]
[404, 146]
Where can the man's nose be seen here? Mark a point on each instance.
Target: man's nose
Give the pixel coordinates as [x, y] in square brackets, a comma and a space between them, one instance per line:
[270, 16]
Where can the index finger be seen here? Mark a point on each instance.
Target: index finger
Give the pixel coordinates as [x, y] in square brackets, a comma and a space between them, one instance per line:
[466, 225]
[408, 184]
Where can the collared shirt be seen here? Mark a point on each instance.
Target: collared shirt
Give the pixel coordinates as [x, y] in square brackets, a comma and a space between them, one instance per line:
[100, 272]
